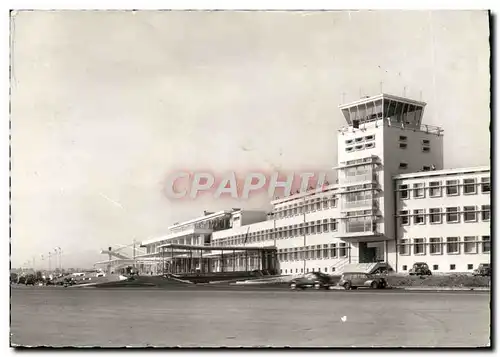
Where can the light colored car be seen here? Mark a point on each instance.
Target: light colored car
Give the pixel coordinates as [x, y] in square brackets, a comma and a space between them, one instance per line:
[362, 280]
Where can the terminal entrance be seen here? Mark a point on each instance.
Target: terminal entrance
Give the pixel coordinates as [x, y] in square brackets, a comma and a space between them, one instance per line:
[371, 252]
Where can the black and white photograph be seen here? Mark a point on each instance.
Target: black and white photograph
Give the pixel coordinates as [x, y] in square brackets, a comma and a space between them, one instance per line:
[251, 178]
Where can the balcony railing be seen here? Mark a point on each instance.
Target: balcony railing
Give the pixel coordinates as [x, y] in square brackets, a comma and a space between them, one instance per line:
[368, 203]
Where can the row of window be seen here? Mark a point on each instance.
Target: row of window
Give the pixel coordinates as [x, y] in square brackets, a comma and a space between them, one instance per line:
[360, 139]
[311, 205]
[290, 271]
[451, 215]
[359, 147]
[436, 267]
[296, 230]
[425, 144]
[451, 245]
[470, 186]
[322, 251]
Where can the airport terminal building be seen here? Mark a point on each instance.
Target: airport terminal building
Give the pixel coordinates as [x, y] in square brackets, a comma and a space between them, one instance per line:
[393, 202]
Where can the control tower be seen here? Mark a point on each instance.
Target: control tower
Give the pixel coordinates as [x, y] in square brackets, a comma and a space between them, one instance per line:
[384, 137]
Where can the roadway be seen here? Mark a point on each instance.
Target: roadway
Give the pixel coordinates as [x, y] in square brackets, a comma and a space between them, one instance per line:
[248, 317]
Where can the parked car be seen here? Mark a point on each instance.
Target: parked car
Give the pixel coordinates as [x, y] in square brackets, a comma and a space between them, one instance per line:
[420, 268]
[482, 270]
[362, 280]
[30, 280]
[316, 280]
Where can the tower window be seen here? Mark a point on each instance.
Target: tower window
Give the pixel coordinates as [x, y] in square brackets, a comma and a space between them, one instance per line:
[369, 145]
[358, 147]
[425, 142]
[403, 145]
[348, 142]
[349, 149]
[370, 137]
[403, 165]
[402, 138]
[426, 149]
[358, 140]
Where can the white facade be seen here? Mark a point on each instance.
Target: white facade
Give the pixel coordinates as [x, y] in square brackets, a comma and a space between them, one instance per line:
[444, 219]
[359, 219]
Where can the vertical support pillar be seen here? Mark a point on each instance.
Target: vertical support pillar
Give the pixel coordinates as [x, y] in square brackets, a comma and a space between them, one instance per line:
[246, 260]
[222, 261]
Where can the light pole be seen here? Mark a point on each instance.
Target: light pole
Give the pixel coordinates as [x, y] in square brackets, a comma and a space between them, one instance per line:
[60, 259]
[56, 266]
[50, 254]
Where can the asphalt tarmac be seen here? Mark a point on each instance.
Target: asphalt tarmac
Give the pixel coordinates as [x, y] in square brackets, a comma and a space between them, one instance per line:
[248, 317]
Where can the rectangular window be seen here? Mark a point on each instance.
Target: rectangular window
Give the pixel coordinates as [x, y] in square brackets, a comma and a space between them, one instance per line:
[452, 246]
[418, 216]
[325, 251]
[435, 246]
[426, 142]
[333, 251]
[451, 187]
[403, 145]
[435, 189]
[470, 214]
[435, 267]
[349, 149]
[404, 192]
[435, 215]
[470, 266]
[369, 137]
[419, 246]
[485, 212]
[452, 266]
[369, 145]
[348, 142]
[426, 168]
[486, 244]
[358, 147]
[452, 215]
[426, 149]
[405, 267]
[469, 186]
[342, 250]
[405, 219]
[402, 138]
[470, 245]
[333, 225]
[485, 185]
[418, 190]
[403, 247]
[403, 165]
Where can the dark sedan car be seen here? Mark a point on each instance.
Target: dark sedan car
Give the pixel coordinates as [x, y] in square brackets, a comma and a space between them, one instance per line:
[362, 280]
[316, 280]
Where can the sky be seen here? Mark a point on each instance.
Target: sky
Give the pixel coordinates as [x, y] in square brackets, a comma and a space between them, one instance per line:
[104, 105]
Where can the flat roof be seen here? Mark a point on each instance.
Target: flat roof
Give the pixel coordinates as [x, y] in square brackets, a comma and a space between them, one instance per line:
[444, 172]
[205, 247]
[382, 96]
[202, 218]
[312, 192]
